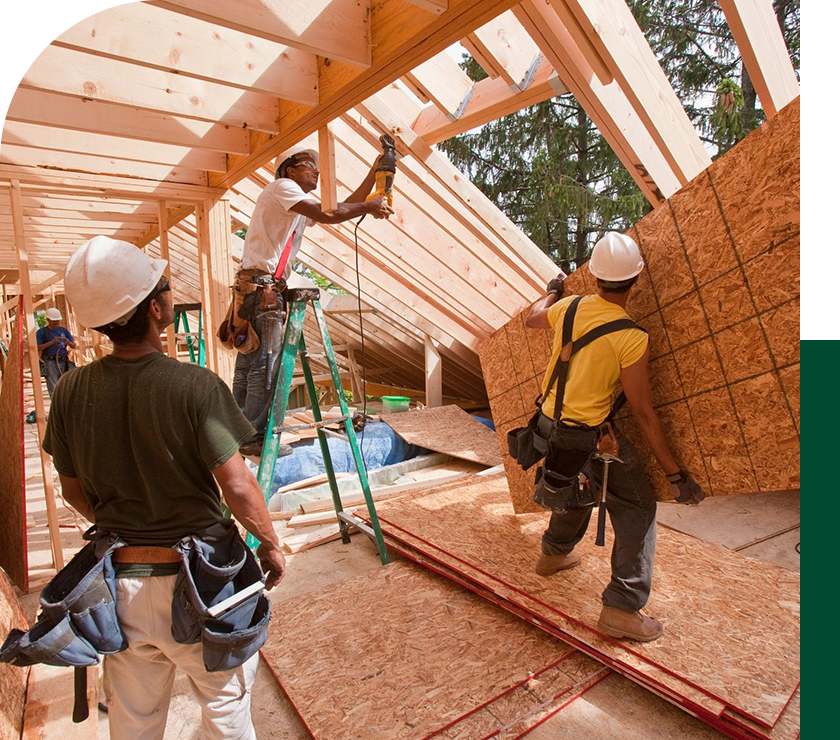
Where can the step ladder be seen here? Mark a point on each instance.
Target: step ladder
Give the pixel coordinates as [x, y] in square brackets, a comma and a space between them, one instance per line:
[294, 347]
[181, 317]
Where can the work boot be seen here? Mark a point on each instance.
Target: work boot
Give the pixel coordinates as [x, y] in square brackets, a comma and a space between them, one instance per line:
[633, 625]
[548, 565]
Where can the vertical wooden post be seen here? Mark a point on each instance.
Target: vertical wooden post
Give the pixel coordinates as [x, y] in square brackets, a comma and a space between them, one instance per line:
[163, 226]
[34, 365]
[434, 374]
[355, 379]
[326, 152]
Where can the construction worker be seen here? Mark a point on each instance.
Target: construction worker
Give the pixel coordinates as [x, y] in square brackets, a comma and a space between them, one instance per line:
[594, 373]
[142, 444]
[53, 341]
[282, 212]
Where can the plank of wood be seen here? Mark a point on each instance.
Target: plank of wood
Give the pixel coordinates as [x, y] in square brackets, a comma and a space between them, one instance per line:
[319, 517]
[311, 481]
[443, 82]
[506, 47]
[308, 540]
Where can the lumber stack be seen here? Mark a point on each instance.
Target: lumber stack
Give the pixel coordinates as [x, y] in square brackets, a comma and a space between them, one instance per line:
[730, 652]
[720, 300]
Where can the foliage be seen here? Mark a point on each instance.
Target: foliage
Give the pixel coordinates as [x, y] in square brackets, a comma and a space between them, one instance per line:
[41, 319]
[322, 282]
[727, 118]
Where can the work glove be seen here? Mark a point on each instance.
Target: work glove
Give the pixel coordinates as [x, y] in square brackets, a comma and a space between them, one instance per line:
[555, 285]
[685, 489]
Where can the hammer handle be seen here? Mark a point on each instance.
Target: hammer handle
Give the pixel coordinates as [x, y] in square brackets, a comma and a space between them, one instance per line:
[80, 702]
[602, 524]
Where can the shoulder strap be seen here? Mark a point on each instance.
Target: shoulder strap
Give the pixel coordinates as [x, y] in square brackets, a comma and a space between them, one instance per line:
[568, 326]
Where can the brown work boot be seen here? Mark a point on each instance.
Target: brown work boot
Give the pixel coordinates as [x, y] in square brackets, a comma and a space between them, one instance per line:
[633, 625]
[548, 565]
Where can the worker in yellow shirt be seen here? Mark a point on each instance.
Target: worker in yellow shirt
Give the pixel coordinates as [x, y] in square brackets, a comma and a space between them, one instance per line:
[594, 373]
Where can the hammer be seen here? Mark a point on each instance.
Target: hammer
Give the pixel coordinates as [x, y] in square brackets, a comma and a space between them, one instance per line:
[606, 458]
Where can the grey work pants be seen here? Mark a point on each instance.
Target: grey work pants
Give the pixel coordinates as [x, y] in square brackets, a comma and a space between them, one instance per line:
[631, 505]
[255, 373]
[52, 368]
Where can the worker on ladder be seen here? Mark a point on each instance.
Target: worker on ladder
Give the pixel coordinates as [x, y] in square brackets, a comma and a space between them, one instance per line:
[53, 341]
[254, 322]
[593, 374]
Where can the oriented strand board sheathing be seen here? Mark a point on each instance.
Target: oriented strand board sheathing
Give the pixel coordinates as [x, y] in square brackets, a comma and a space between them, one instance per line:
[722, 612]
[447, 429]
[399, 653]
[719, 299]
[12, 678]
[12, 484]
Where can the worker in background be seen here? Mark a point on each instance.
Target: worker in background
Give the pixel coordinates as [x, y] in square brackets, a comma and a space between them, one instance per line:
[254, 325]
[142, 444]
[53, 341]
[620, 358]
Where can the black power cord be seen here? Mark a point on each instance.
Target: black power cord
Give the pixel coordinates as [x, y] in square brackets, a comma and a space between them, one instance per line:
[362, 335]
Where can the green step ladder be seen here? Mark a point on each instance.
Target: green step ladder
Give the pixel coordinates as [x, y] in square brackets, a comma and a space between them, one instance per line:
[181, 317]
[294, 347]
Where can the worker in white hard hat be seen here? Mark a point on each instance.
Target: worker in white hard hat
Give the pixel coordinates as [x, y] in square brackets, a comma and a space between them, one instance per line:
[143, 443]
[254, 324]
[614, 356]
[53, 341]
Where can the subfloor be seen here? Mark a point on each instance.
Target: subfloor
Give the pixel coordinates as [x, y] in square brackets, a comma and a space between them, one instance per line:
[763, 526]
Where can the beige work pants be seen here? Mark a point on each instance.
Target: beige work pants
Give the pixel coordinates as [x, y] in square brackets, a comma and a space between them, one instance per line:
[138, 681]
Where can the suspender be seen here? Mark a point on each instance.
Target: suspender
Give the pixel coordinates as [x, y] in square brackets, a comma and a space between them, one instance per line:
[559, 373]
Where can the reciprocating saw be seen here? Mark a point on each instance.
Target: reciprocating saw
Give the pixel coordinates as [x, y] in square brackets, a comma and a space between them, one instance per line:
[386, 170]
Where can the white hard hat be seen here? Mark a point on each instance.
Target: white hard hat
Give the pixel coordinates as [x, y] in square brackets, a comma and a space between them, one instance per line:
[53, 314]
[615, 258]
[106, 279]
[296, 152]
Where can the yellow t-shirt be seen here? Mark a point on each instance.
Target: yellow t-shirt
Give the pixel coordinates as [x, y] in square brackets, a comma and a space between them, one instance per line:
[595, 370]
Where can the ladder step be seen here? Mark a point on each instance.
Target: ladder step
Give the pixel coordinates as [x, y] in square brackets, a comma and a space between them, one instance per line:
[355, 521]
[313, 425]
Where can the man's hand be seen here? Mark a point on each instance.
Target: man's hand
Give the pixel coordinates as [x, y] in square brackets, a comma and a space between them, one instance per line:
[685, 489]
[378, 207]
[555, 285]
[273, 563]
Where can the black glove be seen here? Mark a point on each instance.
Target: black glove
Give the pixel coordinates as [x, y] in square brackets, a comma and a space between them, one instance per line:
[685, 489]
[555, 285]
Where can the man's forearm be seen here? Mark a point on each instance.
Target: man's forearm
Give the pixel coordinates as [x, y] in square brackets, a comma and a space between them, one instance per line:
[651, 428]
[245, 501]
[344, 212]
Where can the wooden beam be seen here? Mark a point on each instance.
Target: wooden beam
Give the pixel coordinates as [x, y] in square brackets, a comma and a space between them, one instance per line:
[606, 105]
[435, 6]
[611, 27]
[402, 37]
[434, 374]
[35, 369]
[506, 48]
[84, 76]
[163, 228]
[756, 31]
[337, 29]
[326, 151]
[442, 81]
[142, 33]
[84, 114]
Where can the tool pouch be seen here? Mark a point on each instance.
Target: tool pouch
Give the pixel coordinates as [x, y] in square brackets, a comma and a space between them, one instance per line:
[561, 483]
[78, 618]
[236, 332]
[525, 445]
[215, 565]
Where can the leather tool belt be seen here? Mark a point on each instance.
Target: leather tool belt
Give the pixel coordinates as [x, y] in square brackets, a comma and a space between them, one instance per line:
[144, 555]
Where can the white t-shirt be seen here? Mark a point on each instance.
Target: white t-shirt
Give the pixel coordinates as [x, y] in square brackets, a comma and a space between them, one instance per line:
[271, 226]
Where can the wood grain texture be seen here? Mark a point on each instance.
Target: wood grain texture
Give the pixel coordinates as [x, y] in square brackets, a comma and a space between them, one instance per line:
[12, 678]
[731, 622]
[13, 556]
[720, 300]
[400, 653]
[447, 429]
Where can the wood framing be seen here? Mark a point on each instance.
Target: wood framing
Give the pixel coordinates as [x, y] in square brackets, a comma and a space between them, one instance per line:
[442, 81]
[163, 239]
[504, 49]
[434, 373]
[326, 152]
[35, 370]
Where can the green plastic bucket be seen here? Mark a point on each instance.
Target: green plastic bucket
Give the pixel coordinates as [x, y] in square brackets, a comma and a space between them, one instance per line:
[393, 404]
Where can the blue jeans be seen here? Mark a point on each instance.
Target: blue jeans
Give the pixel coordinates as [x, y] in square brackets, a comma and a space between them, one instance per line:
[52, 368]
[255, 373]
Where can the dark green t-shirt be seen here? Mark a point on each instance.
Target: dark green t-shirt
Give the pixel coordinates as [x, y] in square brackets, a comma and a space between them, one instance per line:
[142, 437]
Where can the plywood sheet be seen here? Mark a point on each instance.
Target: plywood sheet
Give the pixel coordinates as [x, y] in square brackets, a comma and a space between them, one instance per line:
[721, 611]
[13, 556]
[398, 652]
[447, 429]
[720, 299]
[12, 678]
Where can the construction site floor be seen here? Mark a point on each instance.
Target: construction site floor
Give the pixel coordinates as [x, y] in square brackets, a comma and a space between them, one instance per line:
[763, 526]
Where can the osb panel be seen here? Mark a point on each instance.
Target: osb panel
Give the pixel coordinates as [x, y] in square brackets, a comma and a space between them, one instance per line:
[699, 367]
[398, 652]
[13, 556]
[529, 391]
[540, 342]
[507, 406]
[684, 321]
[782, 327]
[790, 382]
[497, 363]
[743, 351]
[12, 678]
[641, 302]
[787, 728]
[704, 234]
[521, 486]
[758, 184]
[726, 300]
[575, 283]
[664, 381]
[658, 339]
[664, 257]
[722, 612]
[519, 349]
[771, 435]
[773, 277]
[721, 444]
[447, 429]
